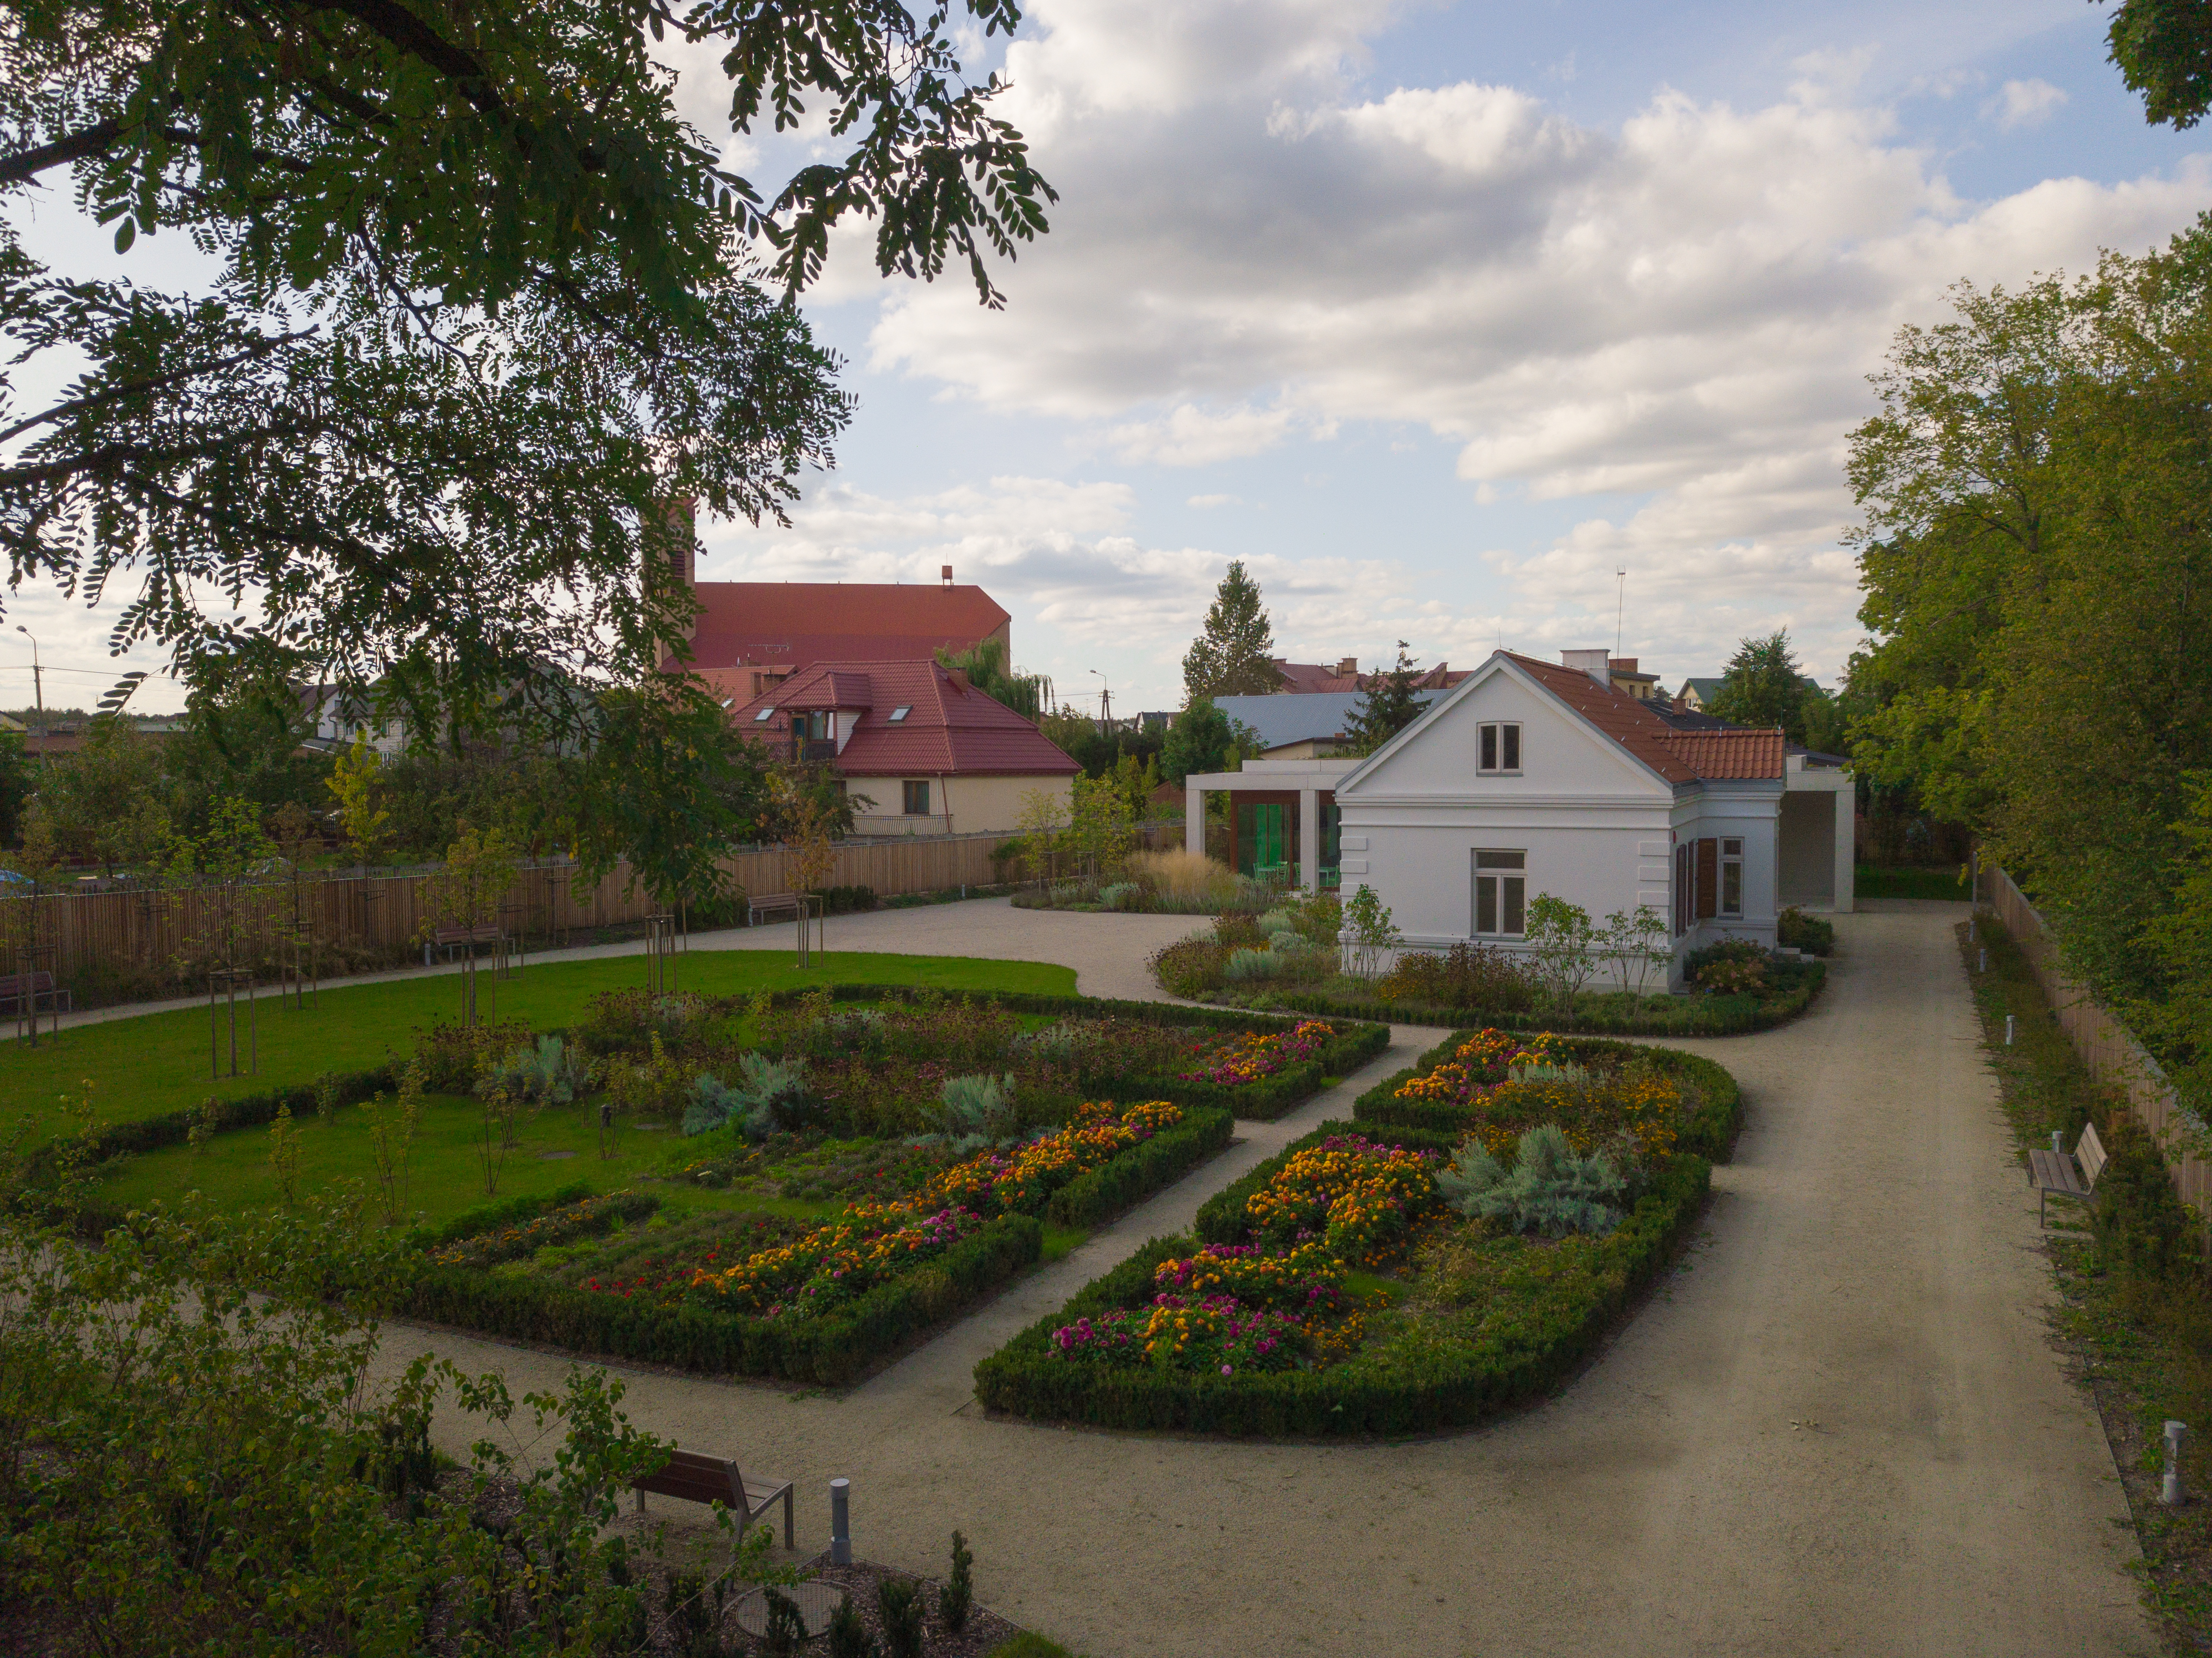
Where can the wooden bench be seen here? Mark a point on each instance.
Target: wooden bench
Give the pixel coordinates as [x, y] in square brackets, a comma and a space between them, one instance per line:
[774, 903]
[2066, 1174]
[38, 988]
[697, 1478]
[451, 939]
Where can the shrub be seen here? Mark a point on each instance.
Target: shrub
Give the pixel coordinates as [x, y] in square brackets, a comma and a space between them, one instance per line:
[1472, 976]
[849, 1635]
[1809, 934]
[976, 1110]
[1549, 1190]
[959, 1590]
[898, 1603]
[1122, 895]
[1191, 967]
[1246, 966]
[1277, 920]
[844, 901]
[452, 1056]
[1731, 977]
[2140, 1222]
[551, 1073]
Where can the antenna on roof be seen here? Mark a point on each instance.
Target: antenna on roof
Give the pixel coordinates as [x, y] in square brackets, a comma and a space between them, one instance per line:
[1619, 607]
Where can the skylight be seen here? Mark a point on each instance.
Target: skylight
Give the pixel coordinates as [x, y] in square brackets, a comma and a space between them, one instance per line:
[900, 712]
[762, 715]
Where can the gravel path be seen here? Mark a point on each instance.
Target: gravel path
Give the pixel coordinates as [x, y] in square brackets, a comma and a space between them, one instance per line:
[1841, 1427]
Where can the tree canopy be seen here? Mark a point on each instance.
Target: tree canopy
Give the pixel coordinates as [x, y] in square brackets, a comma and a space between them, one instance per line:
[1763, 685]
[1202, 738]
[2035, 557]
[1390, 704]
[483, 308]
[1029, 695]
[1231, 656]
[2164, 50]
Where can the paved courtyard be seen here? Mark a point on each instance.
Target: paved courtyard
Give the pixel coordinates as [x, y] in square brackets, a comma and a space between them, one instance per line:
[1840, 1427]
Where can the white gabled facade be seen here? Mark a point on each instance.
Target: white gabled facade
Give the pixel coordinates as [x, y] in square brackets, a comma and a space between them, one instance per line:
[1593, 818]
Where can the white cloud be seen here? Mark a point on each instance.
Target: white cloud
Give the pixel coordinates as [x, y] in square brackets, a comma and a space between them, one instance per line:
[1684, 308]
[1214, 500]
[2023, 103]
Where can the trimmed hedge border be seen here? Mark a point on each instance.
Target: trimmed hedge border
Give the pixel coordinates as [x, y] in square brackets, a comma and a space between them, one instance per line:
[1026, 1378]
[831, 1352]
[1711, 1133]
[1718, 1016]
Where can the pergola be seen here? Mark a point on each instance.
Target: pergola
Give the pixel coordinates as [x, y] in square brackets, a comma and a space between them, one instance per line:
[1298, 797]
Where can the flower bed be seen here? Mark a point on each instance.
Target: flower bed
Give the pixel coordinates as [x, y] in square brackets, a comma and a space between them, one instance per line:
[1671, 1100]
[737, 1291]
[1480, 1321]
[1248, 1058]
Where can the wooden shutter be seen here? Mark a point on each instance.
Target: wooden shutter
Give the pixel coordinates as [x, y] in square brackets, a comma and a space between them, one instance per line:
[1709, 879]
[1681, 888]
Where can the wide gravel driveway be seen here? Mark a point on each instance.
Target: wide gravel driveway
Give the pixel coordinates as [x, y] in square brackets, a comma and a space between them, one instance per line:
[1840, 1427]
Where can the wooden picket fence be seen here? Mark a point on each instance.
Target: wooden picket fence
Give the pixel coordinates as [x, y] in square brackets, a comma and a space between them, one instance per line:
[2114, 1059]
[384, 913]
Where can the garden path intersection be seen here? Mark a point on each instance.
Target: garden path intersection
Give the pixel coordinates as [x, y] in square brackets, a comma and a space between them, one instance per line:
[1841, 1426]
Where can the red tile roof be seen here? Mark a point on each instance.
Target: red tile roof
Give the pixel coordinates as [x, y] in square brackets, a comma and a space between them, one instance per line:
[806, 622]
[1310, 677]
[1679, 756]
[951, 729]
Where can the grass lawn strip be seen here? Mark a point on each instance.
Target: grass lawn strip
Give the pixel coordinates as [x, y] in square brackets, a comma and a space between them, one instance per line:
[1330, 1292]
[2135, 1308]
[150, 1066]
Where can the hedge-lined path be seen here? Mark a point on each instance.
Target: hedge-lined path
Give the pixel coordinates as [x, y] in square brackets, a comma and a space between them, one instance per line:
[1842, 1429]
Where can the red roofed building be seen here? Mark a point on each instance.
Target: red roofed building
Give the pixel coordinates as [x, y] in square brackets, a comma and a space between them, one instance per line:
[932, 755]
[1344, 676]
[764, 632]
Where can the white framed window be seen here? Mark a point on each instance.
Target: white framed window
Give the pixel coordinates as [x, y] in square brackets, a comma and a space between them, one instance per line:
[900, 712]
[1501, 747]
[1501, 893]
[1731, 874]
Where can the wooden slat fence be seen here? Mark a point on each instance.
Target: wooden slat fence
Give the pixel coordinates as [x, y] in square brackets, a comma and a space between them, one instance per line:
[140, 927]
[2112, 1056]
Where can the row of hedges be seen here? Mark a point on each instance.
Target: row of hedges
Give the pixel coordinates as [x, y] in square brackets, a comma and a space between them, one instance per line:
[117, 1140]
[1797, 983]
[1159, 1161]
[1463, 1386]
[831, 1351]
[1353, 1045]
[1710, 1132]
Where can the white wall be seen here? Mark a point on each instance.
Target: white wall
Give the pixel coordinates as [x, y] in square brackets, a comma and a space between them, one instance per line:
[1750, 810]
[962, 806]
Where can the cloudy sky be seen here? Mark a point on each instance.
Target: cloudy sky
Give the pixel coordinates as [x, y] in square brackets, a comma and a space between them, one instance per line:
[1440, 316]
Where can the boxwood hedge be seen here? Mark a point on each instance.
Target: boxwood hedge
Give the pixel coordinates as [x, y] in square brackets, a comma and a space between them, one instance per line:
[832, 1351]
[1710, 1132]
[1685, 1015]
[1460, 1386]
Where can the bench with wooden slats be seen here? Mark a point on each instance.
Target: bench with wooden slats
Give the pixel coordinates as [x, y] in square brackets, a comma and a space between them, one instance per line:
[17, 987]
[451, 939]
[2066, 1174]
[772, 903]
[697, 1478]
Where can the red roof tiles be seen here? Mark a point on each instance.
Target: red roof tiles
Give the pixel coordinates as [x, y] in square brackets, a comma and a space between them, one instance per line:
[1677, 756]
[950, 729]
[807, 622]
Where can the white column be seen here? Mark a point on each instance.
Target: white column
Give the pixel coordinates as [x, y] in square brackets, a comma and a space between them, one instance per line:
[1193, 816]
[1309, 839]
[1847, 802]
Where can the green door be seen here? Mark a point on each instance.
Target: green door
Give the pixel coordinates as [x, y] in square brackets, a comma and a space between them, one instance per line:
[1263, 838]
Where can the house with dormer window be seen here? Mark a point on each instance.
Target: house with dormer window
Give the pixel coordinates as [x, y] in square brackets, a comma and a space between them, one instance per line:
[1536, 777]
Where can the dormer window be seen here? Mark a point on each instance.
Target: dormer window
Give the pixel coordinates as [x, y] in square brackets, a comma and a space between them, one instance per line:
[761, 717]
[900, 712]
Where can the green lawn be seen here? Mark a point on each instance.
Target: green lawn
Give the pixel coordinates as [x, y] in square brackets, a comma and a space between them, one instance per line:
[158, 1062]
[1871, 881]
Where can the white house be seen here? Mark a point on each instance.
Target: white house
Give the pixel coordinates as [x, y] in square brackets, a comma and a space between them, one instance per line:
[1534, 777]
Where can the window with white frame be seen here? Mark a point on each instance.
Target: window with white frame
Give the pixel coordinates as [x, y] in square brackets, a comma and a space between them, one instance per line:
[1501, 893]
[1731, 876]
[1501, 747]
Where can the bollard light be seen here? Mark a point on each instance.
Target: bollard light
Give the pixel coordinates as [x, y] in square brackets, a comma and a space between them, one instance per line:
[2177, 1433]
[2007, 1031]
[841, 1522]
[1984, 967]
[2058, 1140]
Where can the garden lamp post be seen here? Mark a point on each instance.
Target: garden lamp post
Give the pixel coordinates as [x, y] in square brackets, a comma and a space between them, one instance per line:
[38, 688]
[1105, 706]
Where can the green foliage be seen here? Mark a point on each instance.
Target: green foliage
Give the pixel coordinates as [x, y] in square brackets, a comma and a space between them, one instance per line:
[1202, 738]
[976, 1110]
[1809, 934]
[1564, 945]
[959, 1594]
[1465, 975]
[772, 1097]
[1368, 919]
[1548, 1189]
[849, 1635]
[2163, 49]
[1231, 656]
[1248, 966]
[1390, 703]
[1764, 686]
[19, 778]
[549, 1073]
[898, 1603]
[1028, 695]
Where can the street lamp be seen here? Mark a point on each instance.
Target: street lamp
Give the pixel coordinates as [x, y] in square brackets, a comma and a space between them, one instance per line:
[38, 688]
[1105, 705]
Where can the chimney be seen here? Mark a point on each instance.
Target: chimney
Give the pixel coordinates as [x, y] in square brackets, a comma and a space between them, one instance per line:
[1598, 665]
[959, 678]
[1624, 664]
[1347, 666]
[944, 576]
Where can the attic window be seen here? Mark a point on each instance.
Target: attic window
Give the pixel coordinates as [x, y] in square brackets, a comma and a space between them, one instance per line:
[1501, 748]
[900, 712]
[762, 715]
